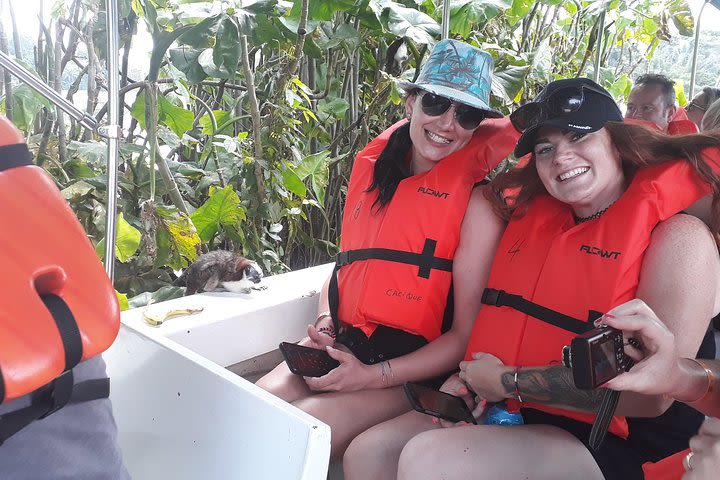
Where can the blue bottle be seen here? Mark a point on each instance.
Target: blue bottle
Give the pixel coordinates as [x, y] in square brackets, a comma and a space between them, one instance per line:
[498, 415]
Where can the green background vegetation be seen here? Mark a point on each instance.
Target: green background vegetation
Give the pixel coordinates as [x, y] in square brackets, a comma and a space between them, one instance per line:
[242, 133]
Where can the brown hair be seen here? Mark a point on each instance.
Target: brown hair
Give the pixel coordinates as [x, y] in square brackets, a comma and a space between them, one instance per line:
[512, 191]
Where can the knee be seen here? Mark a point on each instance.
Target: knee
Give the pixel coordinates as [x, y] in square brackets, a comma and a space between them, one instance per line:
[418, 457]
[362, 452]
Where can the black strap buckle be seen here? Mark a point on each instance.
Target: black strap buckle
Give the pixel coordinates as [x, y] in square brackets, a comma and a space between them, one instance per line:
[493, 297]
[342, 259]
[60, 392]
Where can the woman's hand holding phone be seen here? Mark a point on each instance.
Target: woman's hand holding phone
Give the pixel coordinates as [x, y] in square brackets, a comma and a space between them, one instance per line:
[350, 376]
[455, 386]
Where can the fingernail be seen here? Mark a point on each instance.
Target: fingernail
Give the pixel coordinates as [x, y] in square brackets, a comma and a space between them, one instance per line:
[463, 390]
[608, 315]
[483, 402]
[435, 420]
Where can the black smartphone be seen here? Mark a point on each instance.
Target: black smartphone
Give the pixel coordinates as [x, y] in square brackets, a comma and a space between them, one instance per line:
[438, 404]
[307, 361]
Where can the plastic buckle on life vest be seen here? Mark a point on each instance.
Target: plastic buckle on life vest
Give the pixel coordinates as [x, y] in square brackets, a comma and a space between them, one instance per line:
[493, 297]
[60, 392]
[342, 259]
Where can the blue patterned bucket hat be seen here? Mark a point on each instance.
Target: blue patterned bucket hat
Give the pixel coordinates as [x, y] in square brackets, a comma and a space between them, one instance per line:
[460, 72]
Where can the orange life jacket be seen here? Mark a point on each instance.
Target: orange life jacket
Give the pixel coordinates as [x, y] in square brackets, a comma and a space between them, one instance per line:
[59, 307]
[404, 281]
[670, 468]
[680, 124]
[575, 269]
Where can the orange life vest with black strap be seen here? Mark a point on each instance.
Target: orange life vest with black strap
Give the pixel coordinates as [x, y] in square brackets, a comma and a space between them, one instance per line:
[574, 270]
[59, 307]
[395, 265]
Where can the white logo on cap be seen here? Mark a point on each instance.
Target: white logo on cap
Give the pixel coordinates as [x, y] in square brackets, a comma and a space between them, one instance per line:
[582, 127]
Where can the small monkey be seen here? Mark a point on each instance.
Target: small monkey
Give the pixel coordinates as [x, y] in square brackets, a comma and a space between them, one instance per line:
[232, 272]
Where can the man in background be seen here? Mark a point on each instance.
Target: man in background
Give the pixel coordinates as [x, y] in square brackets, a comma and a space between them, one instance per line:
[652, 99]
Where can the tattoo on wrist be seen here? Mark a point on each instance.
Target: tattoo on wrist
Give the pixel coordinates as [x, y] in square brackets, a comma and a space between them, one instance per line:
[551, 386]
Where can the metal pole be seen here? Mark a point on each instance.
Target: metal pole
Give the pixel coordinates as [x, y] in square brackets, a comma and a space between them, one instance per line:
[693, 70]
[85, 119]
[446, 19]
[599, 45]
[112, 132]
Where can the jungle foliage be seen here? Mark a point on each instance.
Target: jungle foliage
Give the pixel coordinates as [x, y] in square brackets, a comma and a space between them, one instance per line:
[242, 134]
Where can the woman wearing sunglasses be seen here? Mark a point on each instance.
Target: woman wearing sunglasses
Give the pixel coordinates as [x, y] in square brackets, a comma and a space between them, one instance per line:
[591, 224]
[414, 227]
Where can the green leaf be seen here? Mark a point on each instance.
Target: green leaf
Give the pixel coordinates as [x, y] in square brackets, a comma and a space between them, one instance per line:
[293, 183]
[466, 14]
[202, 35]
[180, 241]
[682, 17]
[185, 59]
[27, 104]
[322, 9]
[411, 23]
[221, 116]
[226, 52]
[316, 167]
[164, 293]
[222, 208]
[177, 119]
[680, 92]
[127, 240]
[508, 83]
[123, 301]
[77, 190]
[336, 107]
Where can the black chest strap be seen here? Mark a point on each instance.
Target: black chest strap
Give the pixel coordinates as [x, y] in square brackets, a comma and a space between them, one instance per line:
[61, 391]
[501, 298]
[49, 399]
[425, 261]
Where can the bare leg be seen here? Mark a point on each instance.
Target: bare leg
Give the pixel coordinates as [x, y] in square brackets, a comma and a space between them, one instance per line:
[375, 453]
[282, 383]
[351, 413]
[533, 452]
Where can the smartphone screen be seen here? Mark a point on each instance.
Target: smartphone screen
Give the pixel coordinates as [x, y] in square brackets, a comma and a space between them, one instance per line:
[307, 361]
[438, 404]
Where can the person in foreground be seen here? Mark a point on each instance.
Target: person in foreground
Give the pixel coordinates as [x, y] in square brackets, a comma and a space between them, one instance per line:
[414, 227]
[591, 225]
[660, 371]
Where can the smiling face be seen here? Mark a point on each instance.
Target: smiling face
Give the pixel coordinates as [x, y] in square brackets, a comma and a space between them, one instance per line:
[433, 138]
[646, 103]
[582, 170]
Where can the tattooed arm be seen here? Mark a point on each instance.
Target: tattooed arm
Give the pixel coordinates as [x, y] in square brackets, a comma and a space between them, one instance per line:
[552, 386]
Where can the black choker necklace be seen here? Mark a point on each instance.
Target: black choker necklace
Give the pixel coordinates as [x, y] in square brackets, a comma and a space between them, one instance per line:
[598, 214]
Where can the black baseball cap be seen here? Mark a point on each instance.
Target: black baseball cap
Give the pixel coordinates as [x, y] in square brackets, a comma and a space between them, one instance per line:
[596, 108]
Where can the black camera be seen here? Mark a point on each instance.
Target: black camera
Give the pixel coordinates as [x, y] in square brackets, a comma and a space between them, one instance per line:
[596, 357]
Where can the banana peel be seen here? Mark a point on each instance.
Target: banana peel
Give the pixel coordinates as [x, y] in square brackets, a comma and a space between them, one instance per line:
[157, 317]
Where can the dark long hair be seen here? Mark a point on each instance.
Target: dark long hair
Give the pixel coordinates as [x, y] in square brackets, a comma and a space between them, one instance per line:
[390, 167]
[638, 146]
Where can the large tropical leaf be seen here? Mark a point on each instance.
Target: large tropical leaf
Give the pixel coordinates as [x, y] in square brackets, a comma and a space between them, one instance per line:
[411, 23]
[185, 59]
[682, 17]
[177, 119]
[126, 243]
[222, 208]
[27, 103]
[466, 14]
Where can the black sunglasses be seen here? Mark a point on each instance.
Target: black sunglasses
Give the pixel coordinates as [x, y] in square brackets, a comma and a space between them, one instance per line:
[435, 105]
[558, 103]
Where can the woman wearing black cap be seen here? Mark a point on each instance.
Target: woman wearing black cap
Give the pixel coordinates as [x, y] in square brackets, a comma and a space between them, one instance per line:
[591, 225]
[415, 229]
